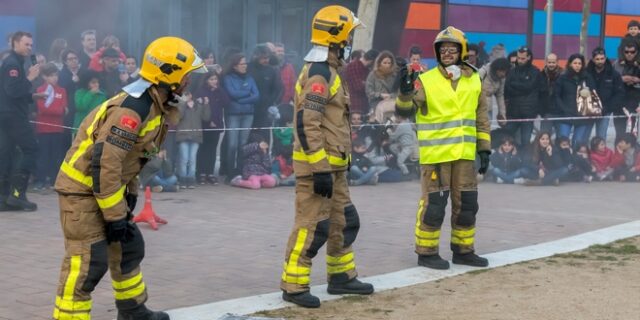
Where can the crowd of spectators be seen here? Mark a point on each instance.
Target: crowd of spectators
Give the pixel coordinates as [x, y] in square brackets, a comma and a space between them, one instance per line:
[236, 119]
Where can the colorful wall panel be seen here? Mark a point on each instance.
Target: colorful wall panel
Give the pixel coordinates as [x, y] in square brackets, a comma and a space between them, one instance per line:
[619, 13]
[16, 15]
[494, 3]
[421, 27]
[568, 5]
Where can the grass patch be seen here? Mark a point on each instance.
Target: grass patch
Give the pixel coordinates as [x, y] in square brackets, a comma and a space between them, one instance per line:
[575, 264]
[624, 249]
[479, 271]
[551, 261]
[378, 310]
[356, 298]
[606, 258]
[571, 256]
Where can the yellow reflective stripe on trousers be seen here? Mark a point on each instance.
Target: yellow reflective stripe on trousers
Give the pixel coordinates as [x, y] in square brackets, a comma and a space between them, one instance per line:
[292, 272]
[119, 285]
[463, 237]
[151, 125]
[311, 158]
[483, 136]
[72, 278]
[425, 238]
[61, 315]
[129, 293]
[70, 305]
[111, 200]
[338, 161]
[340, 264]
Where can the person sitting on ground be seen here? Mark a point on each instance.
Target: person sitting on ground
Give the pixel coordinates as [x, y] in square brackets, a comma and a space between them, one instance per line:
[403, 143]
[158, 174]
[628, 149]
[603, 160]
[282, 167]
[578, 162]
[506, 163]
[362, 169]
[547, 162]
[256, 169]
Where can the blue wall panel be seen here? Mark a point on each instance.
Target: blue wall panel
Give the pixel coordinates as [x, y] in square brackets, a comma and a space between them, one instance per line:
[611, 46]
[494, 3]
[623, 7]
[509, 40]
[565, 23]
[9, 24]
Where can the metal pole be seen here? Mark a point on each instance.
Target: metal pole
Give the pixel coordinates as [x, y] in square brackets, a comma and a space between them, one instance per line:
[549, 34]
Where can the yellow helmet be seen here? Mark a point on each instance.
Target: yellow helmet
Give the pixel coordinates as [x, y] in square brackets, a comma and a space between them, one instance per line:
[168, 59]
[454, 35]
[332, 25]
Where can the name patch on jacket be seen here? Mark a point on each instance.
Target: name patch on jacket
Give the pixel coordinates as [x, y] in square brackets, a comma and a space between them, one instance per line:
[125, 134]
[129, 122]
[315, 102]
[120, 143]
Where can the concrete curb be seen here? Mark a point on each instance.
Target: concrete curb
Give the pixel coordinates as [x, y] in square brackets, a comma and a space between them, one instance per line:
[413, 276]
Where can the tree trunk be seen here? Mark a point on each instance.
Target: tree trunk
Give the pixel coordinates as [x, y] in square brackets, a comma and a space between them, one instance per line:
[584, 36]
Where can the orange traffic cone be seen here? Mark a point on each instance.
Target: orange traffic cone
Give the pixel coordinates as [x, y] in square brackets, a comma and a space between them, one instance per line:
[147, 214]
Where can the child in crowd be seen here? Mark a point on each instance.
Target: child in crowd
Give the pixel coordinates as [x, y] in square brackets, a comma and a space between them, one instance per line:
[547, 161]
[604, 161]
[628, 149]
[578, 162]
[158, 174]
[632, 36]
[506, 163]
[362, 169]
[403, 143]
[256, 169]
[50, 118]
[88, 96]
[189, 136]
[282, 167]
[208, 151]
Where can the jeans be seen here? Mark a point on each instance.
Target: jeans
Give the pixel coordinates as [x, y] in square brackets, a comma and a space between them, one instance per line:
[361, 177]
[581, 133]
[164, 182]
[552, 175]
[507, 177]
[602, 125]
[236, 139]
[524, 128]
[187, 162]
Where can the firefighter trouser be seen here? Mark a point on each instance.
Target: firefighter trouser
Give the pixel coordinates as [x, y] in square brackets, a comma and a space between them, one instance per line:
[319, 220]
[458, 179]
[88, 257]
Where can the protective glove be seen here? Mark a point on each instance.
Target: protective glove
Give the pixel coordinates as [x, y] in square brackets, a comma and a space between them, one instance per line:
[484, 161]
[323, 184]
[132, 200]
[119, 231]
[406, 80]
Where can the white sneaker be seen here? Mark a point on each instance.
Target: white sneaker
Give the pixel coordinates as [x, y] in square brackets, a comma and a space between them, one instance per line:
[499, 181]
[518, 181]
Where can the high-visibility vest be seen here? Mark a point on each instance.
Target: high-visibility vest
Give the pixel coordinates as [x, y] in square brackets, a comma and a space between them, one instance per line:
[448, 131]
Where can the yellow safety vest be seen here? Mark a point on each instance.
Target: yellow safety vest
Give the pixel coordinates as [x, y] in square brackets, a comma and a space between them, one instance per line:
[448, 131]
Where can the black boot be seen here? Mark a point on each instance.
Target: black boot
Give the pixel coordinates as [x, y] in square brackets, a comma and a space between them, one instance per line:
[141, 313]
[433, 261]
[470, 259]
[5, 188]
[18, 196]
[303, 299]
[353, 286]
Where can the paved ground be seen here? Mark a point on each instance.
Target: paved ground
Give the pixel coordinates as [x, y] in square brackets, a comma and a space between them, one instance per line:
[224, 243]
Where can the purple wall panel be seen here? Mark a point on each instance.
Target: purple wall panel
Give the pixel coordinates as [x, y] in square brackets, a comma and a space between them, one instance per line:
[569, 5]
[563, 46]
[422, 38]
[487, 19]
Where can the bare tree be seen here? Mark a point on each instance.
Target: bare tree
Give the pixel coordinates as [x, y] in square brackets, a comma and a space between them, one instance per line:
[584, 36]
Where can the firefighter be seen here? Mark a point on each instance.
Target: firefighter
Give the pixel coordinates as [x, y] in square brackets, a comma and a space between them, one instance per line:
[321, 154]
[97, 183]
[453, 123]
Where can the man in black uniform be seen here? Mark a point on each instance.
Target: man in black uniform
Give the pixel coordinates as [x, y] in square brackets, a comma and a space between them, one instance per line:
[15, 130]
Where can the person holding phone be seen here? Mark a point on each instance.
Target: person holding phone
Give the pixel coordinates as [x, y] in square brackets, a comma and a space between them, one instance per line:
[15, 130]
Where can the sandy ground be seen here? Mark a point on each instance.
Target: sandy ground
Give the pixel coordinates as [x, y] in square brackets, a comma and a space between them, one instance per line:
[601, 282]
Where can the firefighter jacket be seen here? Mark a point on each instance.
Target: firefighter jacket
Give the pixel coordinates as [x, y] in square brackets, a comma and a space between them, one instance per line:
[452, 117]
[112, 144]
[322, 136]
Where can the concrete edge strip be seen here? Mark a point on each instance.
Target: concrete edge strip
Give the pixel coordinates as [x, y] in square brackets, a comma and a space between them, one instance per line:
[413, 276]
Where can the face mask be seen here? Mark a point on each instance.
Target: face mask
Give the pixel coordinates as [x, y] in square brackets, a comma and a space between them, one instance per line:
[454, 72]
